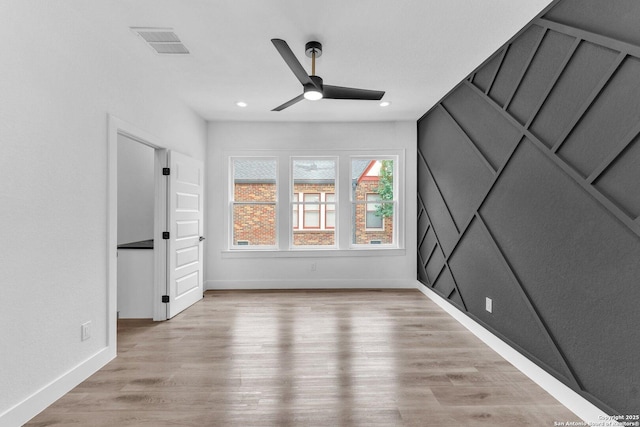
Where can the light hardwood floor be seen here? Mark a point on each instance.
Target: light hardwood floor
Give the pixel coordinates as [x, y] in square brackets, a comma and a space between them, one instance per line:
[305, 358]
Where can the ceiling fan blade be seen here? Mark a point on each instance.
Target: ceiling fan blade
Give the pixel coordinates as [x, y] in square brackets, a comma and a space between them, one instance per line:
[339, 92]
[289, 103]
[292, 61]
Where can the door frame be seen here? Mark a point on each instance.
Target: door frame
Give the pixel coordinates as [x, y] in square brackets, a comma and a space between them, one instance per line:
[117, 127]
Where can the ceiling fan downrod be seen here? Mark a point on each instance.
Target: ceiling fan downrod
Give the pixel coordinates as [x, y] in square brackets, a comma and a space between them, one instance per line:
[313, 63]
[313, 50]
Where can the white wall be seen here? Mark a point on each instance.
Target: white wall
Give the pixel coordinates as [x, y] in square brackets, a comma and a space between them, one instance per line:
[135, 283]
[376, 269]
[59, 79]
[136, 190]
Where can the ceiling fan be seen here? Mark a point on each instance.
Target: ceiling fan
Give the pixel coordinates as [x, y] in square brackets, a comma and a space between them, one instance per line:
[313, 88]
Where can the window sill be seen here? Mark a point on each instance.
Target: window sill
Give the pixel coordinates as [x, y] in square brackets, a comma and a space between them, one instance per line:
[312, 253]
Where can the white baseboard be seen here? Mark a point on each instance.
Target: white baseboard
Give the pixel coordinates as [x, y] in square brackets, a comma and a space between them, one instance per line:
[308, 284]
[577, 404]
[40, 400]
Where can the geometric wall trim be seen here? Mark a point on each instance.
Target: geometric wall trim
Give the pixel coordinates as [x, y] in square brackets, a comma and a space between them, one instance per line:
[481, 271]
[529, 194]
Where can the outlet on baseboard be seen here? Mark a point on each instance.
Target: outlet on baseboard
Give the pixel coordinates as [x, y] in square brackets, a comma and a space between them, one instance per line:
[85, 331]
[489, 304]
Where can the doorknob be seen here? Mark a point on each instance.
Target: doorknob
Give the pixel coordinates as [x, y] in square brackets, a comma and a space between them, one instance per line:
[201, 238]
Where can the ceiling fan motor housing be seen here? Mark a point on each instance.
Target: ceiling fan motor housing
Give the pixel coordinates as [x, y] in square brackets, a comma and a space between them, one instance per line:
[312, 46]
[317, 81]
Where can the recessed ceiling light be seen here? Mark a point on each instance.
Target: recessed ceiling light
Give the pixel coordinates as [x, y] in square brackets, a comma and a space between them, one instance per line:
[241, 104]
[385, 103]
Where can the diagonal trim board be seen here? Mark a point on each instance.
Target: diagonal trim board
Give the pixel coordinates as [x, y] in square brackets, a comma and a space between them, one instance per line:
[565, 368]
[608, 204]
[483, 270]
[527, 300]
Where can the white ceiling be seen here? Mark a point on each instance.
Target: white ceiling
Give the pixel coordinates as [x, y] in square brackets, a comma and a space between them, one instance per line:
[415, 50]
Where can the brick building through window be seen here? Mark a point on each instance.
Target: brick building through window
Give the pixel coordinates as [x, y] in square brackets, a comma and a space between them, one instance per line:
[313, 203]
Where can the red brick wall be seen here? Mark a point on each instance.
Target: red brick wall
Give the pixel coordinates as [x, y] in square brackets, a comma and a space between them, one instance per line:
[313, 237]
[256, 223]
[314, 188]
[253, 192]
[362, 235]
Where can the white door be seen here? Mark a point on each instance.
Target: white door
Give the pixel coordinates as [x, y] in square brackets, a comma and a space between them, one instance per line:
[184, 216]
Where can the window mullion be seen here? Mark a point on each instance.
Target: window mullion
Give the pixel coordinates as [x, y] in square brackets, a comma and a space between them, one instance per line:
[283, 196]
[322, 212]
[343, 203]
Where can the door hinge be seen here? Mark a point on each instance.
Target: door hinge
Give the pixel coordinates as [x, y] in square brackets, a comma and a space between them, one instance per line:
[165, 298]
[165, 235]
[166, 171]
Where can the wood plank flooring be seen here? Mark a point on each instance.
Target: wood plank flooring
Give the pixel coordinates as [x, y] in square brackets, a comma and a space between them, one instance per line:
[305, 358]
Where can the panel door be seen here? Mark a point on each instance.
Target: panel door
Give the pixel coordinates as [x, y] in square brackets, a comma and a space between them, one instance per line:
[185, 217]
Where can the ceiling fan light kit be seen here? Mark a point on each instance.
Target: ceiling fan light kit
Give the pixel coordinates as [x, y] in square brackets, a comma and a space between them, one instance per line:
[312, 85]
[313, 92]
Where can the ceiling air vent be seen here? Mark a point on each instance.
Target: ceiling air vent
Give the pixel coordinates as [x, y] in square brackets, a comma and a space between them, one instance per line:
[162, 40]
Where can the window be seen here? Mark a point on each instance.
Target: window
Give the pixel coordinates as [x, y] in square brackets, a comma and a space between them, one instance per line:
[340, 202]
[311, 210]
[319, 211]
[296, 211]
[254, 202]
[373, 199]
[373, 220]
[330, 210]
[313, 180]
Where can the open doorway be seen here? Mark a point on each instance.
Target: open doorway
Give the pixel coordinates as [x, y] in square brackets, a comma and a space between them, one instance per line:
[136, 201]
[137, 143]
[177, 223]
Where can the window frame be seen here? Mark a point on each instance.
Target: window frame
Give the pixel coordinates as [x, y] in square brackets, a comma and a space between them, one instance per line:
[305, 203]
[343, 241]
[327, 210]
[295, 218]
[232, 203]
[398, 188]
[321, 203]
[324, 210]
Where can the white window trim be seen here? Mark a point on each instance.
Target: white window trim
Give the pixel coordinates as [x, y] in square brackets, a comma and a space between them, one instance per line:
[319, 157]
[398, 203]
[284, 222]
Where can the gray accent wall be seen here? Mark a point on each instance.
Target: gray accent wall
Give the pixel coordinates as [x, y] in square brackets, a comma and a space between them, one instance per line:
[529, 194]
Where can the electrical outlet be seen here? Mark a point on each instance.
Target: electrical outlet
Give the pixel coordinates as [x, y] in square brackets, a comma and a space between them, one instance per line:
[85, 331]
[489, 304]
[313, 266]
